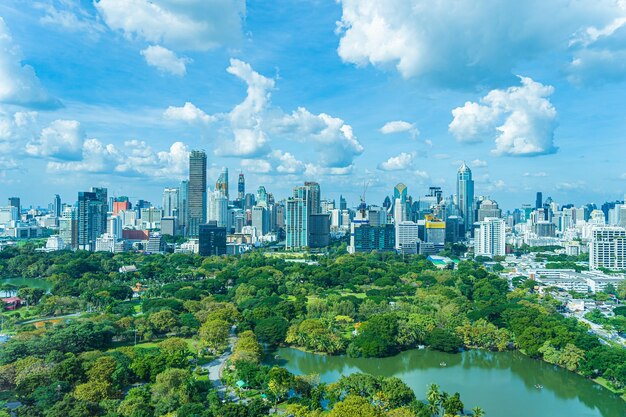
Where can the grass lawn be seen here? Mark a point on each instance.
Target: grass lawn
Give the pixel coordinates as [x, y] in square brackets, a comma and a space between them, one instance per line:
[601, 381]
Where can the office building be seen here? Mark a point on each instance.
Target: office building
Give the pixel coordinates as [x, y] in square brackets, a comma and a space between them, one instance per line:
[488, 208]
[305, 225]
[56, 206]
[183, 207]
[607, 248]
[121, 204]
[319, 230]
[260, 220]
[539, 200]
[465, 196]
[407, 237]
[491, 239]
[169, 226]
[92, 216]
[68, 227]
[222, 182]
[241, 187]
[155, 244]
[368, 238]
[197, 191]
[217, 208]
[15, 202]
[212, 239]
[171, 200]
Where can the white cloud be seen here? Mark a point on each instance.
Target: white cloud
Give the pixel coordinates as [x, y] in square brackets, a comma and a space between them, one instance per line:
[333, 139]
[287, 163]
[570, 186]
[399, 126]
[478, 163]
[457, 42]
[315, 171]
[72, 18]
[19, 83]
[188, 113]
[62, 139]
[246, 117]
[522, 119]
[97, 158]
[197, 25]
[623, 176]
[535, 174]
[165, 60]
[257, 166]
[397, 163]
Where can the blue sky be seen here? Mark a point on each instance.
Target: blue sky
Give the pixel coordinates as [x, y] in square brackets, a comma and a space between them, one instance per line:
[115, 92]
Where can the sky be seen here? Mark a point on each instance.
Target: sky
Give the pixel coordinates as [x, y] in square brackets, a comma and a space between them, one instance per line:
[355, 94]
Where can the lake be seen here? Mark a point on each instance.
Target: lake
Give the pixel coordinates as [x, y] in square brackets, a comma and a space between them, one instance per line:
[28, 282]
[502, 383]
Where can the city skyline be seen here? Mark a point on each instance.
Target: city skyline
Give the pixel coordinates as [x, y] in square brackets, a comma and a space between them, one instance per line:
[123, 105]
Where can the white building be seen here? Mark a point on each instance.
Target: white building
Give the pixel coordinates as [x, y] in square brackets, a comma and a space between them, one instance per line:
[407, 236]
[105, 243]
[607, 248]
[491, 239]
[217, 208]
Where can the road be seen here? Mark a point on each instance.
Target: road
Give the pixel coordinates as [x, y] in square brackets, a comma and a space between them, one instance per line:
[216, 367]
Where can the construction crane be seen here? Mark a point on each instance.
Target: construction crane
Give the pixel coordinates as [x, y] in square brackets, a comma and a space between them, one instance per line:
[363, 205]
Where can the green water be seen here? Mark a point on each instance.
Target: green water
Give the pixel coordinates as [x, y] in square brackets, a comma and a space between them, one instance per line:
[502, 383]
[28, 282]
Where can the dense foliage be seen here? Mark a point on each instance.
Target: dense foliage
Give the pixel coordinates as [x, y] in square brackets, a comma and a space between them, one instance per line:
[90, 348]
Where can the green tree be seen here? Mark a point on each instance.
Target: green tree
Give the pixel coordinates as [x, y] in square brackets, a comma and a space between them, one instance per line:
[215, 334]
[353, 406]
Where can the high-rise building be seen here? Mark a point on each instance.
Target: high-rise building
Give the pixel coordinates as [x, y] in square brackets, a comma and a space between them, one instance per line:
[212, 239]
[261, 196]
[121, 204]
[92, 217]
[222, 182]
[68, 227]
[260, 220]
[217, 208]
[183, 206]
[491, 239]
[539, 200]
[607, 248]
[171, 199]
[400, 191]
[407, 237]
[343, 205]
[197, 191]
[56, 206]
[241, 187]
[367, 238]
[488, 208]
[15, 202]
[465, 195]
[315, 200]
[297, 219]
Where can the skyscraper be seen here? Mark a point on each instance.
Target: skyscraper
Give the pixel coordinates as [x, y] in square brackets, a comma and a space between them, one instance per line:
[539, 200]
[400, 191]
[241, 187]
[607, 248]
[92, 217]
[15, 202]
[197, 191]
[315, 197]
[183, 206]
[171, 200]
[56, 206]
[222, 182]
[212, 239]
[465, 195]
[217, 208]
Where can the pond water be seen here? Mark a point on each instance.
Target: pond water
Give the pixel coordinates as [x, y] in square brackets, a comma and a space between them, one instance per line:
[28, 282]
[502, 383]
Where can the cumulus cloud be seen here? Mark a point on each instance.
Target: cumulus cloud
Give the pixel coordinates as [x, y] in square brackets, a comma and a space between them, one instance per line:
[522, 118]
[70, 17]
[246, 117]
[96, 158]
[287, 163]
[400, 126]
[456, 42]
[62, 139]
[135, 158]
[397, 163]
[188, 113]
[165, 60]
[333, 139]
[197, 25]
[18, 82]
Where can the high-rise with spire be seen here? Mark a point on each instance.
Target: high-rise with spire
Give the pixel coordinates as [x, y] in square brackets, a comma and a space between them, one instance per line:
[465, 195]
[241, 187]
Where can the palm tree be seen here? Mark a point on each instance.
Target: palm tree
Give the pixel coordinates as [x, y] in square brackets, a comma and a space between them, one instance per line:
[434, 399]
[478, 412]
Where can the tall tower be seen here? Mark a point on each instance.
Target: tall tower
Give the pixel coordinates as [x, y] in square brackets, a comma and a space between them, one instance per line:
[539, 200]
[171, 200]
[241, 187]
[222, 182]
[92, 217]
[197, 194]
[315, 200]
[56, 206]
[465, 195]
